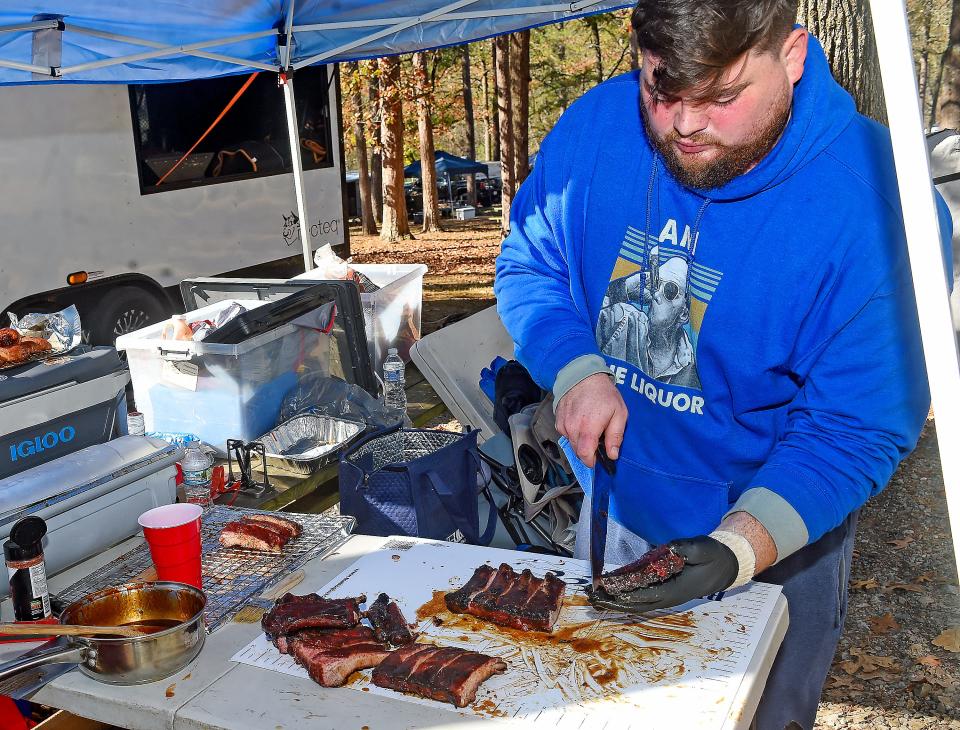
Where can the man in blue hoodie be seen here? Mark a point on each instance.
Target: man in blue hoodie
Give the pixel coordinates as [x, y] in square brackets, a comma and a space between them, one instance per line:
[707, 267]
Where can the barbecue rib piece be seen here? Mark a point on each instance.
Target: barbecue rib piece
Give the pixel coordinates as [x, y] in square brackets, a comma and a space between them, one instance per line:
[330, 657]
[325, 638]
[521, 601]
[9, 337]
[252, 536]
[294, 613]
[288, 527]
[388, 622]
[652, 567]
[446, 674]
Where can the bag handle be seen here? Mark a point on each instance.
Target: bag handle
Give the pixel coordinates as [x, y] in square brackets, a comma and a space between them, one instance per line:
[454, 510]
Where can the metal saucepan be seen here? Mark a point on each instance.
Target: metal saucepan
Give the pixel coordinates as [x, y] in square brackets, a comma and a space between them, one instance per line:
[173, 612]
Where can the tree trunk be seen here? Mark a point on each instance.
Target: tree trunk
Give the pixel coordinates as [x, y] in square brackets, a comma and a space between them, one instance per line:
[494, 100]
[520, 103]
[376, 154]
[367, 223]
[487, 121]
[428, 165]
[634, 50]
[469, 124]
[395, 224]
[562, 98]
[948, 98]
[594, 26]
[844, 29]
[504, 115]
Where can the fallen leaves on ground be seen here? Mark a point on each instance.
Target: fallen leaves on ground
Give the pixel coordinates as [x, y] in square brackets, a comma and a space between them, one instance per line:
[867, 666]
[929, 660]
[948, 639]
[900, 543]
[866, 584]
[883, 624]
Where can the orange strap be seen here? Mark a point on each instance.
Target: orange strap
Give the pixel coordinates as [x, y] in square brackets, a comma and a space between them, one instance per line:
[216, 121]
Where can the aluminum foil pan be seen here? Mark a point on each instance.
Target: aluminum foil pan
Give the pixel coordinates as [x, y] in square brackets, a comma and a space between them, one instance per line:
[305, 443]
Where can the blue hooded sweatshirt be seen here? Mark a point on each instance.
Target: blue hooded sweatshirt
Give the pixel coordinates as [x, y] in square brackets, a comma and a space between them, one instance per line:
[763, 335]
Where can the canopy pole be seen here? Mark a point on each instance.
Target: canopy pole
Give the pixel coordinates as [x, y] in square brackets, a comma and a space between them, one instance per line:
[293, 133]
[923, 241]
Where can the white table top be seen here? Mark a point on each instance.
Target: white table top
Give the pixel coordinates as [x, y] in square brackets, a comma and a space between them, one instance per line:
[213, 692]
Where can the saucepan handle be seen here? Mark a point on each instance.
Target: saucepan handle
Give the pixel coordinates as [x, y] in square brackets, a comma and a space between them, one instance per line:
[58, 655]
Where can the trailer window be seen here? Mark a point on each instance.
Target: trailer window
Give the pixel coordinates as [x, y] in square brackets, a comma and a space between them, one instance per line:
[250, 141]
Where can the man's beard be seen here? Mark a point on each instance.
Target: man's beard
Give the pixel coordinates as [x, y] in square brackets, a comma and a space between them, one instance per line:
[731, 162]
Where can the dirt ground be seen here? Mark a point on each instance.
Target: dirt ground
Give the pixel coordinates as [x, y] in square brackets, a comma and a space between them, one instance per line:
[898, 663]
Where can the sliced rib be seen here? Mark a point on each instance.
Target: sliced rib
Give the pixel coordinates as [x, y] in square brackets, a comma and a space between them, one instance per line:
[294, 613]
[460, 599]
[251, 536]
[288, 527]
[388, 622]
[654, 566]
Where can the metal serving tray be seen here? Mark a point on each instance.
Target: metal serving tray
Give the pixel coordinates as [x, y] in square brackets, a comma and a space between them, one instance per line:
[305, 443]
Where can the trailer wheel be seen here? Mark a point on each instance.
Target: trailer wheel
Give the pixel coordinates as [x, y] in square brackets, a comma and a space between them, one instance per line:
[123, 310]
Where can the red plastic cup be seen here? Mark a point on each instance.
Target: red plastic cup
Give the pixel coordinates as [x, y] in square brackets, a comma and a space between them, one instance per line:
[173, 534]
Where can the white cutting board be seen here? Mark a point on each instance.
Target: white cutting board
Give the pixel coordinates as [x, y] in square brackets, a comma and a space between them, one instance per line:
[671, 669]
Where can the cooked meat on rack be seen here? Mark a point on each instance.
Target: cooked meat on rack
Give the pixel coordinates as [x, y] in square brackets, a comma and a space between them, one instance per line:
[35, 344]
[294, 613]
[252, 537]
[288, 527]
[9, 337]
[330, 657]
[388, 622]
[446, 674]
[521, 601]
[654, 566]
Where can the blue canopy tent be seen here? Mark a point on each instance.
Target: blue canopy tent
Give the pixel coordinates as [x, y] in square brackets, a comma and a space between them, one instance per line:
[140, 41]
[449, 165]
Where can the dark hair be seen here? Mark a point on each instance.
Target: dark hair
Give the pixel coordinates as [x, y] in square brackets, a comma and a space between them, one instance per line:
[696, 40]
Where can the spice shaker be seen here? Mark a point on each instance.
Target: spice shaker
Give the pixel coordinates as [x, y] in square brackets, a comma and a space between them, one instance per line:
[28, 576]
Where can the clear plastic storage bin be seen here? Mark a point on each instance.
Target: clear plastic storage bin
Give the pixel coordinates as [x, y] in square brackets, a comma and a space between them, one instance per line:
[220, 391]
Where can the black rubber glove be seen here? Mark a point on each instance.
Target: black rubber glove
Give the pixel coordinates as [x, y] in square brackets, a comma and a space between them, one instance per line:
[710, 567]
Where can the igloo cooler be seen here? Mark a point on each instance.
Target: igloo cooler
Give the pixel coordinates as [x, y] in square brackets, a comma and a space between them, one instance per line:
[58, 406]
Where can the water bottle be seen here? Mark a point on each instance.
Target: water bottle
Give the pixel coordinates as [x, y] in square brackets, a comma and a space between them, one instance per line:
[197, 468]
[394, 381]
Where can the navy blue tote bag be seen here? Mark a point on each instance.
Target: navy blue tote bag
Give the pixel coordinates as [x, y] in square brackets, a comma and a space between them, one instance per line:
[415, 482]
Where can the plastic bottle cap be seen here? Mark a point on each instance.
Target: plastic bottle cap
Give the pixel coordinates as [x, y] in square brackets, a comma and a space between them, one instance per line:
[181, 317]
[26, 538]
[392, 351]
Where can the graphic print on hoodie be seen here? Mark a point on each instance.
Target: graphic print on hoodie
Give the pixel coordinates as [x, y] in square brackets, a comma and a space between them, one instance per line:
[653, 310]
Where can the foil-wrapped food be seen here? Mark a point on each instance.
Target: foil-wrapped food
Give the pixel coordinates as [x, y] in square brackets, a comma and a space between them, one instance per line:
[38, 336]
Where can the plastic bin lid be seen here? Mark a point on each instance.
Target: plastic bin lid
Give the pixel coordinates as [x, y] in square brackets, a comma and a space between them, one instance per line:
[79, 366]
[348, 330]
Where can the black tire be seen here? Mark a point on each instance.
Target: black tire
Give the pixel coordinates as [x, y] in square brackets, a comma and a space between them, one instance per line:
[125, 309]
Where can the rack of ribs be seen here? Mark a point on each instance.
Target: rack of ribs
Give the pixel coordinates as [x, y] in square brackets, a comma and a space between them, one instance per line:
[388, 622]
[295, 613]
[330, 657]
[503, 596]
[288, 527]
[446, 674]
[266, 533]
[654, 566]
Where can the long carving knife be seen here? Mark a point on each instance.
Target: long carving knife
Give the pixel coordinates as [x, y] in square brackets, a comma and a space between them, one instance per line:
[599, 512]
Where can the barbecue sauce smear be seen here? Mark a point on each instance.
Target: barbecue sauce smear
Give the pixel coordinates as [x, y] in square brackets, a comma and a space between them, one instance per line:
[585, 657]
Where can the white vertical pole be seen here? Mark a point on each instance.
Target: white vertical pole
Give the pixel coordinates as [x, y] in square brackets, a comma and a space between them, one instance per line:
[923, 241]
[293, 132]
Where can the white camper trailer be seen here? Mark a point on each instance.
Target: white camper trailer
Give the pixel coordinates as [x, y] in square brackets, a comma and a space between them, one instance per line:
[95, 214]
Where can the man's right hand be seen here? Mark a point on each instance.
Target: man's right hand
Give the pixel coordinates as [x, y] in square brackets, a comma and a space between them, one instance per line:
[591, 409]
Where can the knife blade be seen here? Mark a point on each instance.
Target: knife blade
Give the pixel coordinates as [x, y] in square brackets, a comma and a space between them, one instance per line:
[599, 509]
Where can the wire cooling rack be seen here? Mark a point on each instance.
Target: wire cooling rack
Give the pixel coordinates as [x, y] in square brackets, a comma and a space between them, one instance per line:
[232, 576]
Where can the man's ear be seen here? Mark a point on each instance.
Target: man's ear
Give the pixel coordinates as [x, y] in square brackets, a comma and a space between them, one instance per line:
[793, 53]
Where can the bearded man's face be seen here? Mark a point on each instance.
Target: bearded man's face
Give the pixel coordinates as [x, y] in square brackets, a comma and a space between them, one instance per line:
[709, 137]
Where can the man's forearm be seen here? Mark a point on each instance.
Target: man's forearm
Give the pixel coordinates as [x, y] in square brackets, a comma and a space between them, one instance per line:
[747, 526]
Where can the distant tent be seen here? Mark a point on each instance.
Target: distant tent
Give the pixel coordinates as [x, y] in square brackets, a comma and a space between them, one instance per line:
[447, 164]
